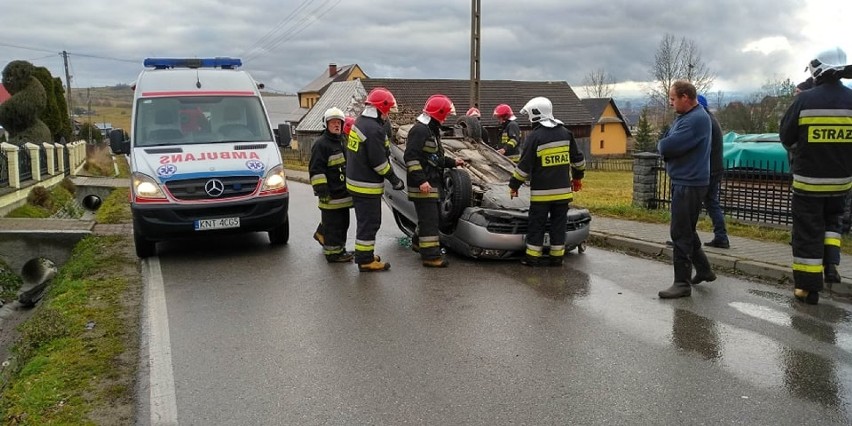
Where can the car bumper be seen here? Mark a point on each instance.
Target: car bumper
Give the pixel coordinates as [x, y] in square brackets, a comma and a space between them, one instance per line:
[495, 234]
[160, 222]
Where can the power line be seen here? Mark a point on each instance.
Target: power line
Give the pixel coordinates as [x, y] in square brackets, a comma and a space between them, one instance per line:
[82, 55]
[277, 27]
[303, 23]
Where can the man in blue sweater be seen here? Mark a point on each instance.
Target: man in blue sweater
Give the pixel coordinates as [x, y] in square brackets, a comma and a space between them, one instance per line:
[686, 150]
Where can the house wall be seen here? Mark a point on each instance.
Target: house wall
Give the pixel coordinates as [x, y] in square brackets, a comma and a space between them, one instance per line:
[608, 138]
[308, 99]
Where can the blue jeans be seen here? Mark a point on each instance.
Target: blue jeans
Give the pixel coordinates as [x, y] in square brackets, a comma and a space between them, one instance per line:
[714, 209]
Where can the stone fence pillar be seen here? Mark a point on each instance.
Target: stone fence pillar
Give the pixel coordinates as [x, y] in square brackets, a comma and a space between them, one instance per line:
[51, 162]
[645, 179]
[14, 169]
[35, 160]
[60, 152]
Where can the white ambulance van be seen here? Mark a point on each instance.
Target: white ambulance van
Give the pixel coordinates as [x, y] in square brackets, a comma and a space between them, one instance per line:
[203, 156]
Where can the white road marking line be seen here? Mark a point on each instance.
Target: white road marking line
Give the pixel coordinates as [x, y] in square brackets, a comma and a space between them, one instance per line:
[162, 396]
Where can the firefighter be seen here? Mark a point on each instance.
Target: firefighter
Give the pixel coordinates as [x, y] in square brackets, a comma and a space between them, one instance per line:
[425, 162]
[554, 166]
[474, 112]
[328, 177]
[510, 133]
[366, 169]
[817, 132]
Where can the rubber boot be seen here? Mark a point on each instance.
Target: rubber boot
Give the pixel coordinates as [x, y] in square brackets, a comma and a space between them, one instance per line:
[809, 297]
[681, 286]
[555, 261]
[318, 236]
[531, 261]
[703, 271]
[342, 257]
[374, 266]
[831, 274]
[436, 263]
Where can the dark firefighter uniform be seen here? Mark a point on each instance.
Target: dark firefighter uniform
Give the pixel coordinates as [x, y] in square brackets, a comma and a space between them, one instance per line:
[548, 161]
[328, 178]
[425, 161]
[510, 140]
[817, 131]
[366, 169]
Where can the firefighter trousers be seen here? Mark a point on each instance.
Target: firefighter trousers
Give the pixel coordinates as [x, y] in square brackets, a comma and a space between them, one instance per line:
[557, 211]
[368, 215]
[335, 225]
[427, 238]
[686, 248]
[816, 238]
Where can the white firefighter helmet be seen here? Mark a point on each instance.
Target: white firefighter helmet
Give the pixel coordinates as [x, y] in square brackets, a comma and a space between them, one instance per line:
[540, 110]
[333, 113]
[832, 59]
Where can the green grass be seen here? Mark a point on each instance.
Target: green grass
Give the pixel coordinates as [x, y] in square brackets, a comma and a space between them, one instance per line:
[68, 373]
[610, 194]
[115, 208]
[59, 198]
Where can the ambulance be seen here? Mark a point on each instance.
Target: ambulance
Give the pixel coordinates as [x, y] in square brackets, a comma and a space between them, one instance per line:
[202, 154]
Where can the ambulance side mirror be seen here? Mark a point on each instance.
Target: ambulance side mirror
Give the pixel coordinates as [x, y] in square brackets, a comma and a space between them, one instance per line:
[117, 143]
[284, 138]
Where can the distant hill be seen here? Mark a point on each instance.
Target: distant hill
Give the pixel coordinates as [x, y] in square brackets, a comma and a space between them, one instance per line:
[108, 105]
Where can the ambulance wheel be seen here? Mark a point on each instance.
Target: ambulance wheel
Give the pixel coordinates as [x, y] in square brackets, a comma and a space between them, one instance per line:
[280, 234]
[144, 247]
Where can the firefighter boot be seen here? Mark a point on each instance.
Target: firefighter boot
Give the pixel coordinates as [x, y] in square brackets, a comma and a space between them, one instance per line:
[318, 236]
[555, 261]
[681, 286]
[342, 257]
[375, 266]
[531, 261]
[809, 297]
[439, 262]
[831, 274]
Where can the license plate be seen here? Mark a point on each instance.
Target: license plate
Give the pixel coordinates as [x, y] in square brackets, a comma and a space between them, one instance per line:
[210, 224]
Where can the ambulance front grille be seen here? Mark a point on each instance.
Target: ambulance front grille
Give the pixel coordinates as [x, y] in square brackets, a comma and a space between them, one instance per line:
[194, 189]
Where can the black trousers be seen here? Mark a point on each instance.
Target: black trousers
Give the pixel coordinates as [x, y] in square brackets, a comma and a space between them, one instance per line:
[428, 238]
[557, 211]
[816, 238]
[687, 252]
[335, 225]
[368, 215]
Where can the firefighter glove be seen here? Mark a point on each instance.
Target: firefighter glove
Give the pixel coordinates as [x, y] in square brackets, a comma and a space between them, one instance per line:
[576, 184]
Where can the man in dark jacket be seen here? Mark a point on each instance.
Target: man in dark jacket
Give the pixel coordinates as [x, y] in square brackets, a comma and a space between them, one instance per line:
[554, 167]
[717, 170]
[367, 167]
[473, 112]
[817, 132]
[425, 162]
[686, 150]
[509, 141]
[328, 177]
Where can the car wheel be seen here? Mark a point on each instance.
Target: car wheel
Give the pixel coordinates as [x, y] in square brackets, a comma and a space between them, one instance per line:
[581, 248]
[455, 198]
[144, 247]
[280, 234]
[470, 127]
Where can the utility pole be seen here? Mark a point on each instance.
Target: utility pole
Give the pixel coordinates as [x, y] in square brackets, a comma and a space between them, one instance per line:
[67, 85]
[475, 17]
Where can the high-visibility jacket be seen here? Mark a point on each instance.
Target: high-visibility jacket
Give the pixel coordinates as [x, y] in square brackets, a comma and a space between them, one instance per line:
[367, 165]
[817, 131]
[549, 159]
[327, 170]
[425, 160]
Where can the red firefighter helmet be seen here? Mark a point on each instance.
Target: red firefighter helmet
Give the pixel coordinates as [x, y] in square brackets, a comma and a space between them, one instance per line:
[439, 107]
[348, 122]
[473, 112]
[382, 99]
[503, 112]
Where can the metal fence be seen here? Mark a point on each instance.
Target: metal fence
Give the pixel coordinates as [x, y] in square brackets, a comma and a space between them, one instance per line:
[610, 164]
[296, 156]
[42, 160]
[25, 168]
[755, 191]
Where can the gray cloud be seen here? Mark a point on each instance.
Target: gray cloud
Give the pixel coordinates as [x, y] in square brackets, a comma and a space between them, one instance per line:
[533, 40]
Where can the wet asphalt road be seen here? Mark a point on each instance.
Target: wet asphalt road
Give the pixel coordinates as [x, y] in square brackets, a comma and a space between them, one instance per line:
[262, 335]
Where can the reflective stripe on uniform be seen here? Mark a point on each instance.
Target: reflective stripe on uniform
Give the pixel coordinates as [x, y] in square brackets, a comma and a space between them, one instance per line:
[336, 203]
[557, 250]
[371, 188]
[580, 165]
[544, 195]
[356, 136]
[430, 147]
[361, 245]
[329, 250]
[428, 242]
[813, 184]
[803, 264]
[383, 168]
[534, 251]
[553, 147]
[336, 159]
[832, 239]
[318, 179]
[413, 165]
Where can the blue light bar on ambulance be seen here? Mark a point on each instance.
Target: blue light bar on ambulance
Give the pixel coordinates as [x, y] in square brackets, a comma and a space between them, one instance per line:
[165, 63]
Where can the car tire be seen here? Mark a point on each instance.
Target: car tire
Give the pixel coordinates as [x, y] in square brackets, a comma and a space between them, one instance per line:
[144, 247]
[455, 198]
[470, 127]
[280, 234]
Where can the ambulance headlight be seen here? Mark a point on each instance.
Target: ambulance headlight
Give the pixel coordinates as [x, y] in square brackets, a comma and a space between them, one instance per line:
[275, 181]
[146, 187]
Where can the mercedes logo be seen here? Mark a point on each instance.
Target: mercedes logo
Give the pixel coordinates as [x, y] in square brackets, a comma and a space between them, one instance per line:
[214, 188]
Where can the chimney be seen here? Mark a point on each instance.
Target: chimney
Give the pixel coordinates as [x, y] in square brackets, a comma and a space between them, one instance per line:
[332, 70]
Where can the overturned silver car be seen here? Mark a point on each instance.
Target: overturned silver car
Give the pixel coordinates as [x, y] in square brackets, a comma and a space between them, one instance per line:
[478, 218]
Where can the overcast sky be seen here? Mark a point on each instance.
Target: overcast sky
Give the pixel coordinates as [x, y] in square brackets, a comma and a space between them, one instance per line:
[286, 44]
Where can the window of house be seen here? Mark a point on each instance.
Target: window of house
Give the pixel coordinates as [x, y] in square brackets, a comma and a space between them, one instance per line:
[601, 143]
[602, 128]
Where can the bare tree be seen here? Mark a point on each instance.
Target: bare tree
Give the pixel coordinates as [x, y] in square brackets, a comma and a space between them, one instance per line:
[598, 84]
[677, 60]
